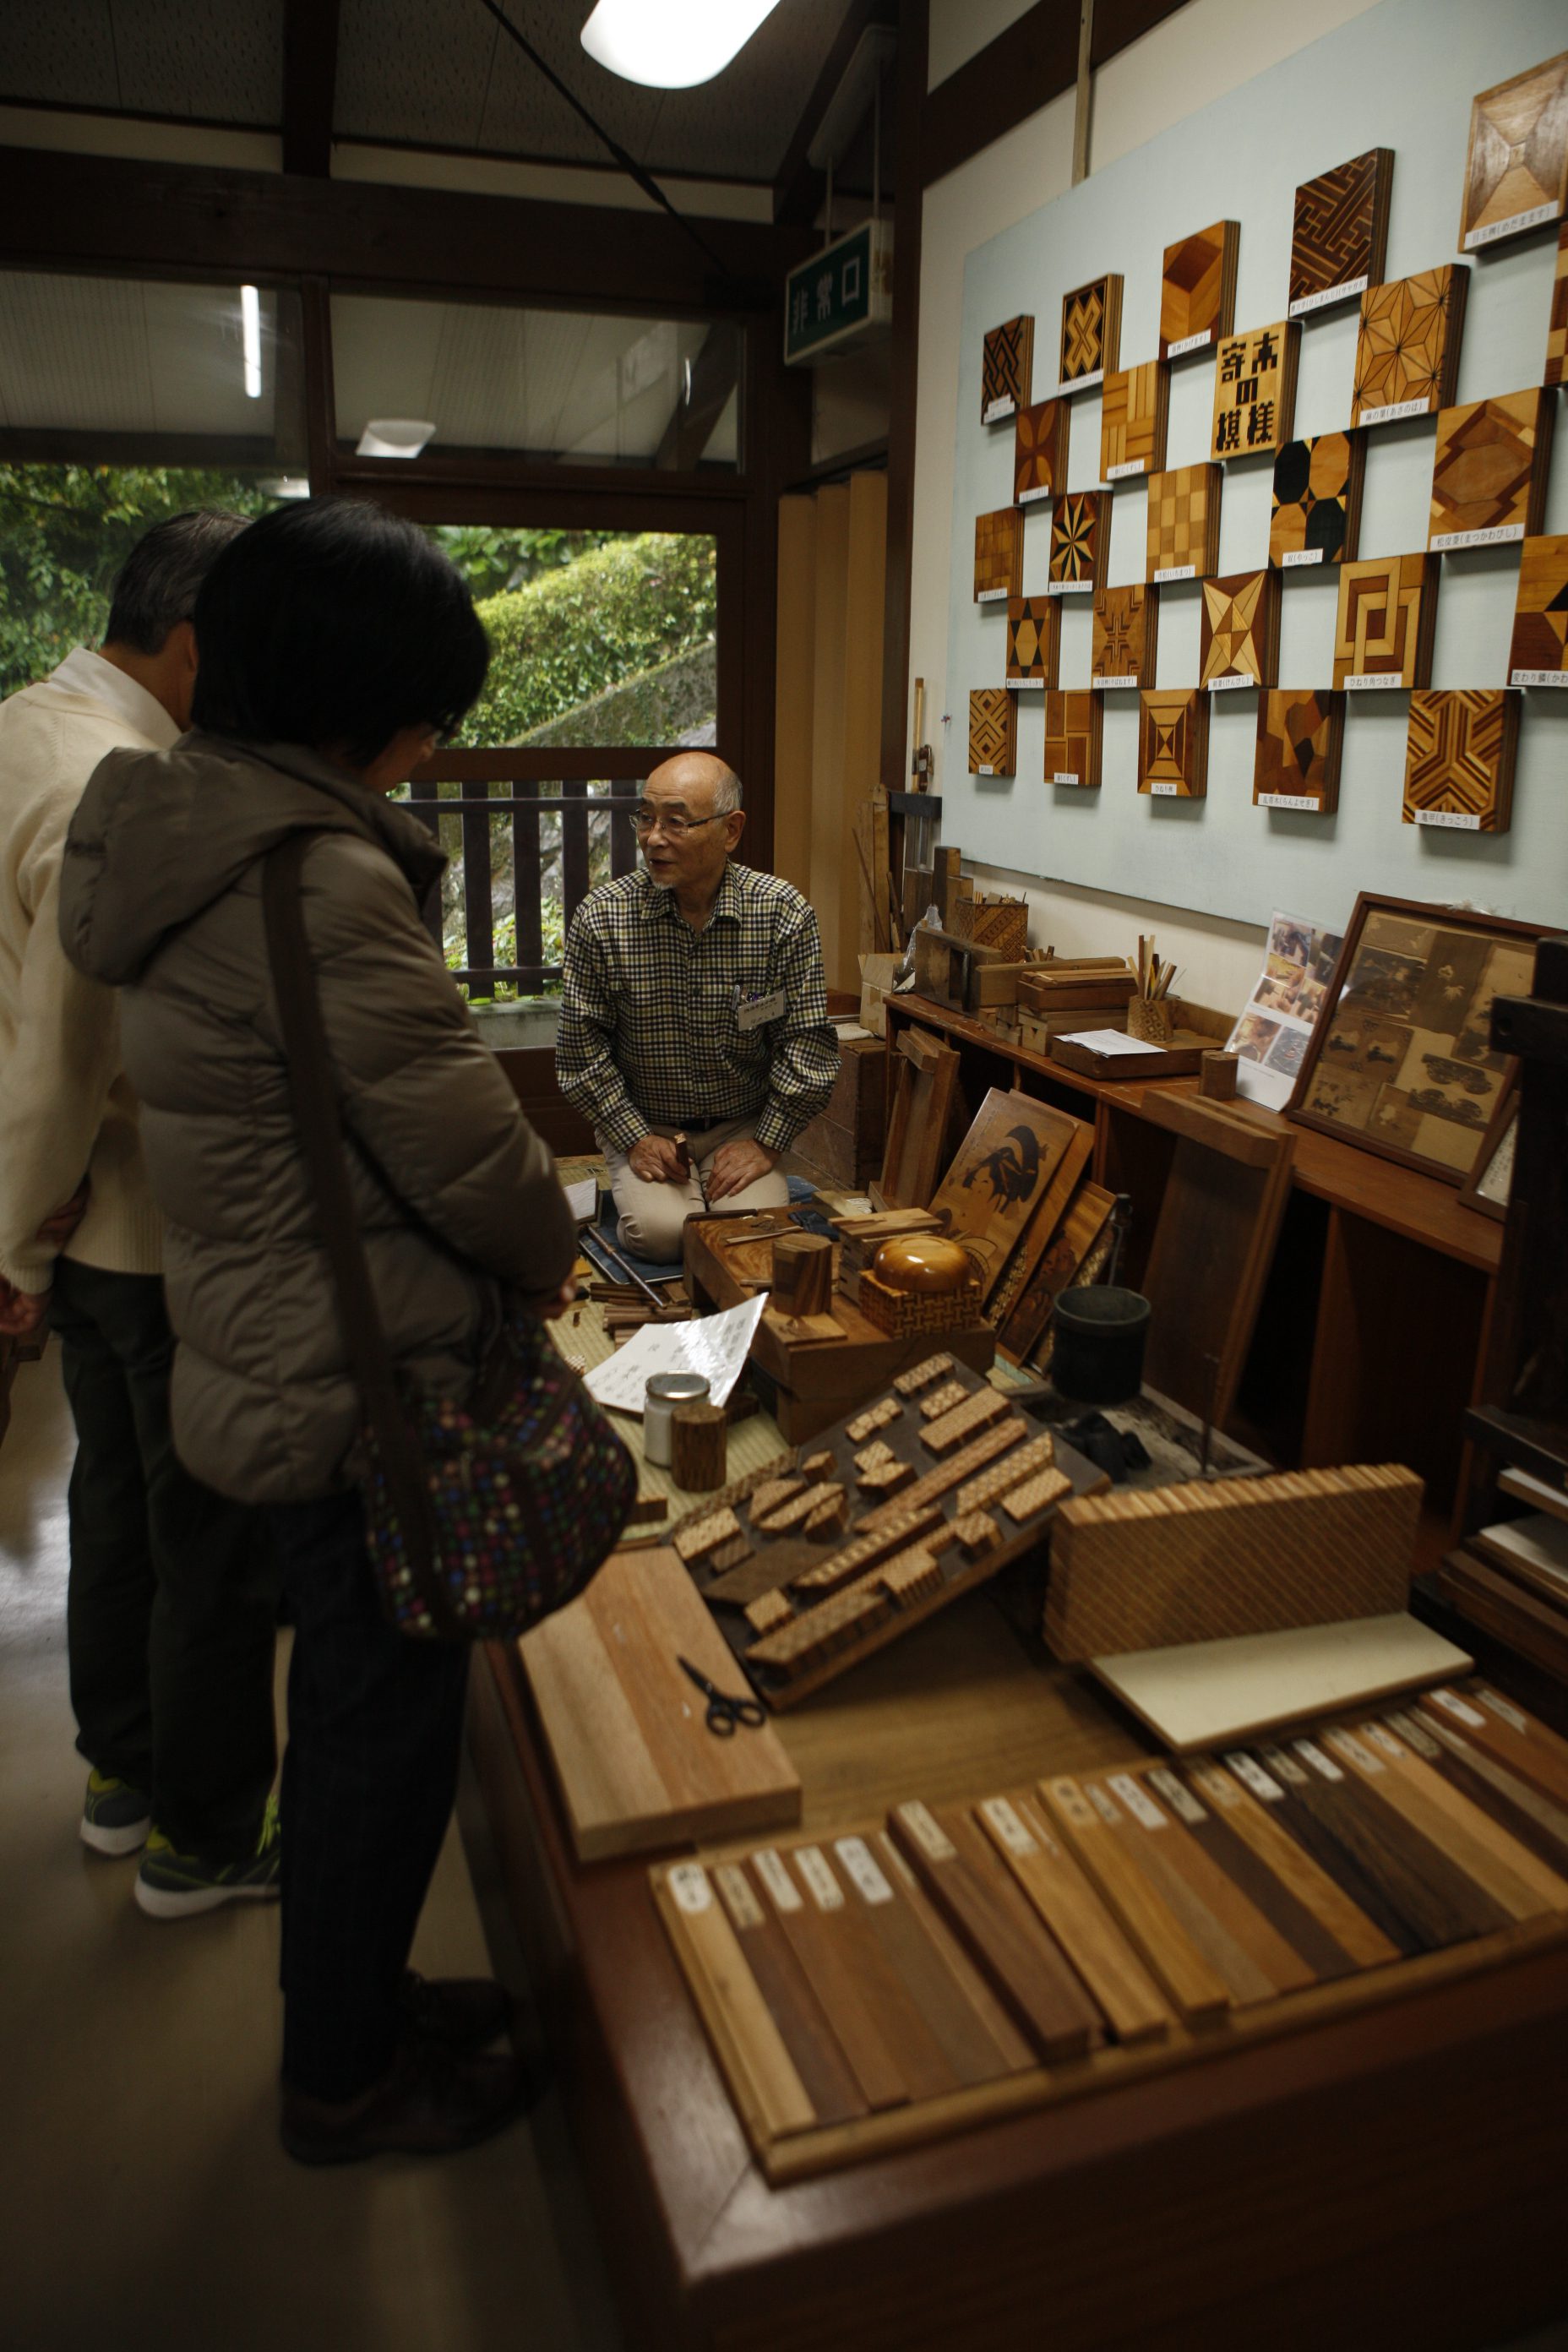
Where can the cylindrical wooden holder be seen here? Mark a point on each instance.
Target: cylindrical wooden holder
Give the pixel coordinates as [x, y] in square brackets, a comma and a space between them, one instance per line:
[1148, 1020]
[1217, 1075]
[699, 1446]
[803, 1275]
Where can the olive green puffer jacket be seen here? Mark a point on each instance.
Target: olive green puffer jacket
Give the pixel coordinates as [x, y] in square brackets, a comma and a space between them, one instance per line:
[455, 1195]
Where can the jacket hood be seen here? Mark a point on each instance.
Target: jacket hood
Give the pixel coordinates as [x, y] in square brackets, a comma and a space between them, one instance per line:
[157, 837]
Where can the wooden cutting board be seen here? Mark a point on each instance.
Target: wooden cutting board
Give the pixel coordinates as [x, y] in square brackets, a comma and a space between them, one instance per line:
[638, 1766]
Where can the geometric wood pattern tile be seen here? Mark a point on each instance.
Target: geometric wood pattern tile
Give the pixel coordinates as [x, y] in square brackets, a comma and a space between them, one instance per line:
[1239, 620]
[1197, 289]
[992, 731]
[1076, 537]
[1072, 740]
[1459, 766]
[1516, 173]
[1341, 231]
[1091, 331]
[1034, 640]
[1254, 390]
[1183, 523]
[1556, 370]
[1124, 638]
[1040, 450]
[1407, 349]
[998, 554]
[1539, 653]
[1300, 734]
[1173, 742]
[1007, 369]
[1383, 634]
[1318, 484]
[1489, 471]
[1134, 408]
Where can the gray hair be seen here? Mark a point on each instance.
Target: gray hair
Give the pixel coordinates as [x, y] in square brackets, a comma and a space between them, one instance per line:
[727, 793]
[157, 583]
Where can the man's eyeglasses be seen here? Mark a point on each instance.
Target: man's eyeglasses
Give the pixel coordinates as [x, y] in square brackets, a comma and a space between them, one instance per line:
[645, 818]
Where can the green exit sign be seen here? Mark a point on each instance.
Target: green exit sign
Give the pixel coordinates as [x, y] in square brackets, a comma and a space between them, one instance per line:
[842, 296]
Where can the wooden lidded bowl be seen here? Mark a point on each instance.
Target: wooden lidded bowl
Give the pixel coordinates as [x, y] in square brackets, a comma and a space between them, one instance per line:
[927, 1263]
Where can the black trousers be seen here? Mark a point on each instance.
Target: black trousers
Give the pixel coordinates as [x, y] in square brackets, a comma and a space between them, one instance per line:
[172, 1603]
[370, 1777]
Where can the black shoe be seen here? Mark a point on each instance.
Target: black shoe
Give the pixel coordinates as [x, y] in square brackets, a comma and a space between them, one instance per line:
[463, 2012]
[432, 2102]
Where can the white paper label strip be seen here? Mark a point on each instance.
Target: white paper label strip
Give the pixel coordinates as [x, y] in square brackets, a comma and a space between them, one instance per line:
[1175, 571]
[1295, 556]
[1069, 587]
[1181, 1800]
[1344, 1743]
[1164, 793]
[1252, 1776]
[856, 1858]
[1447, 541]
[1514, 226]
[812, 1864]
[935, 1839]
[1455, 1706]
[1184, 344]
[1364, 680]
[1024, 685]
[777, 1880]
[1317, 1760]
[687, 1881]
[986, 769]
[1081, 384]
[1290, 1771]
[1066, 776]
[1008, 1827]
[1114, 685]
[1456, 819]
[1119, 472]
[1304, 303]
[1102, 1803]
[1224, 684]
[1290, 801]
[1501, 1709]
[1138, 1801]
[1539, 677]
[1026, 497]
[1384, 1739]
[739, 1900]
[1393, 410]
[1005, 406]
[991, 596]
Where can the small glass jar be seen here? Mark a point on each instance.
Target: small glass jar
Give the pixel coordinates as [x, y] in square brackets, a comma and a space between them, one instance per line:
[664, 1391]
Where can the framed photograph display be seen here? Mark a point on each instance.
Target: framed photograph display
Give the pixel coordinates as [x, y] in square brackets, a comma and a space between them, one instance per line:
[1400, 1060]
[1490, 1180]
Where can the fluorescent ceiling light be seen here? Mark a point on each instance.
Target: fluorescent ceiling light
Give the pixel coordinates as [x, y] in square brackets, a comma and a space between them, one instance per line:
[250, 339]
[287, 486]
[394, 436]
[671, 44]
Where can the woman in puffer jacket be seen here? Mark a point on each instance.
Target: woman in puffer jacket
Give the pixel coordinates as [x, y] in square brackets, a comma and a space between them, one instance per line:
[336, 646]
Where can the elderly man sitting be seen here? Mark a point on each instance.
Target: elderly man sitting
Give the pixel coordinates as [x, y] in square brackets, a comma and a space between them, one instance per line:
[694, 1030]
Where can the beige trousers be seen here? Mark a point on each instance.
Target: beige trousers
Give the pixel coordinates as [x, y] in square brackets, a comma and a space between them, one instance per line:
[651, 1215]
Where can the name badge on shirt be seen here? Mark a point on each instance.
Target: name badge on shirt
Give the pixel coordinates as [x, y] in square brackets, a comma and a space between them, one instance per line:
[758, 1009]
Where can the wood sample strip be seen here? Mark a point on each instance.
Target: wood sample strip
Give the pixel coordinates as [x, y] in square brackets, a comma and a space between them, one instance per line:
[1113, 1973]
[1199, 1992]
[1505, 1731]
[1197, 289]
[920, 1376]
[1505, 1864]
[1313, 1824]
[1254, 390]
[992, 731]
[752, 2051]
[875, 1417]
[1246, 1799]
[1036, 1494]
[1016, 2053]
[1505, 1895]
[1340, 232]
[1256, 1963]
[1407, 346]
[1040, 443]
[1073, 739]
[851, 1904]
[897, 1533]
[1183, 530]
[1489, 471]
[1516, 173]
[826, 1967]
[698, 1539]
[961, 1422]
[803, 2024]
[1006, 368]
[1173, 742]
[1301, 742]
[1303, 1933]
[1534, 1819]
[1459, 758]
[1316, 512]
[968, 2052]
[1023, 1461]
[1431, 1890]
[1386, 620]
[1134, 408]
[943, 1400]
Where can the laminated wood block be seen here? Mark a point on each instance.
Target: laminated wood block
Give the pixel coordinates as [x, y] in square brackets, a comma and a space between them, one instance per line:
[889, 1478]
[975, 1532]
[878, 1455]
[785, 1518]
[1073, 726]
[1025, 1462]
[1000, 1174]
[901, 1531]
[699, 1538]
[1254, 390]
[1036, 1494]
[1183, 523]
[1041, 438]
[768, 1610]
[1407, 348]
[756, 2060]
[1459, 754]
[1197, 289]
[920, 1376]
[1218, 1077]
[1556, 369]
[998, 555]
[1239, 631]
[910, 1576]
[1300, 736]
[801, 2020]
[999, 1439]
[992, 731]
[1173, 742]
[1126, 1994]
[772, 1494]
[1489, 471]
[941, 1400]
[831, 1515]
[1091, 331]
[1142, 1569]
[1538, 654]
[841, 1622]
[740, 1490]
[1340, 232]
[956, 1427]
[1124, 637]
[1316, 512]
[1516, 173]
[1079, 530]
[803, 1273]
[875, 1417]
[1386, 619]
[1033, 643]
[1007, 369]
[1133, 411]
[1159, 1937]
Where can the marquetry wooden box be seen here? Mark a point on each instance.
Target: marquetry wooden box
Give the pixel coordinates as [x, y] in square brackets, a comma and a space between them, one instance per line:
[844, 1144]
[902, 1313]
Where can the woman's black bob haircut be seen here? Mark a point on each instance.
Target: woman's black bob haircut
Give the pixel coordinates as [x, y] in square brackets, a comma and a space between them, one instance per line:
[333, 624]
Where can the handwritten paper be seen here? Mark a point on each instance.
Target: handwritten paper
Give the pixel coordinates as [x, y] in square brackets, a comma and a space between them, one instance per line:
[716, 1346]
[1112, 1041]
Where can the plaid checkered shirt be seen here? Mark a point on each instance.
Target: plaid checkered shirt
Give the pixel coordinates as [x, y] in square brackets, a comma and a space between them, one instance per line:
[650, 1031]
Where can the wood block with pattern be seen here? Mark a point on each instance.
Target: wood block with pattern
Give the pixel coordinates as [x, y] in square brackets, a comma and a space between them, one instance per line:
[1183, 523]
[1316, 515]
[1197, 289]
[1091, 331]
[1126, 629]
[1077, 539]
[1387, 611]
[1034, 640]
[1254, 390]
[1144, 1571]
[992, 731]
[1301, 735]
[1340, 232]
[1041, 438]
[1072, 740]
[1516, 173]
[1489, 471]
[1239, 631]
[1007, 369]
[1539, 653]
[1173, 742]
[1134, 410]
[1556, 370]
[1459, 762]
[998, 555]
[1407, 346]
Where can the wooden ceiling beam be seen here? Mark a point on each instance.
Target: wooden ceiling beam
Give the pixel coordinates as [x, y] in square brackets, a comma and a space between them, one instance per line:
[309, 85]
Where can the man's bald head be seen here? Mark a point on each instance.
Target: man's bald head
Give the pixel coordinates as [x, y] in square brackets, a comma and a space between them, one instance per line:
[702, 780]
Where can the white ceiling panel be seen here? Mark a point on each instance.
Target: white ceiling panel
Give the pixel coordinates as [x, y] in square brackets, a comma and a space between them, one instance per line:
[221, 61]
[63, 53]
[113, 356]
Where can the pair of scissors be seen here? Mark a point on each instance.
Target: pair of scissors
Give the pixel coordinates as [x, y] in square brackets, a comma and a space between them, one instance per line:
[724, 1712]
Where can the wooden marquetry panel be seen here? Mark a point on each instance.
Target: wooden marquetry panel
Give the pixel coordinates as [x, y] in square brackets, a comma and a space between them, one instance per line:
[1197, 289]
[1091, 331]
[1007, 369]
[1040, 441]
[1126, 629]
[1341, 231]
[1516, 173]
[1407, 349]
[1077, 537]
[1383, 635]
[1459, 763]
[1539, 653]
[998, 554]
[1556, 371]
[1183, 523]
[1034, 640]
[1254, 390]
[1134, 407]
[1173, 743]
[1239, 639]
[992, 731]
[1316, 516]
[1301, 735]
[1072, 740]
[1489, 471]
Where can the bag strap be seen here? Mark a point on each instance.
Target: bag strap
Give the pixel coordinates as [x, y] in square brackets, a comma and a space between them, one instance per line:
[318, 1116]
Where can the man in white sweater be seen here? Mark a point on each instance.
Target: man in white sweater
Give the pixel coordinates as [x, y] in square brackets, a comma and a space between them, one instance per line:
[170, 1611]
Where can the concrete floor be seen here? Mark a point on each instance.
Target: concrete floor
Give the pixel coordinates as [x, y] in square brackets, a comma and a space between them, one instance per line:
[145, 2201]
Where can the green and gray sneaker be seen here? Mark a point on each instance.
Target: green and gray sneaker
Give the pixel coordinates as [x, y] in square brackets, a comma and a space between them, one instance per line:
[170, 1886]
[115, 1817]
